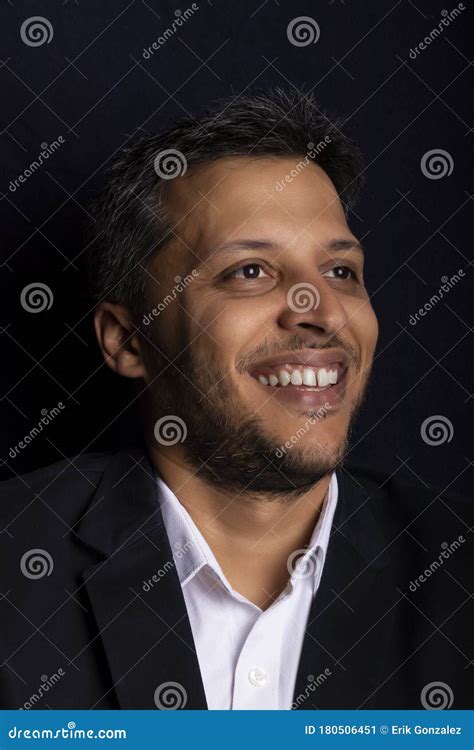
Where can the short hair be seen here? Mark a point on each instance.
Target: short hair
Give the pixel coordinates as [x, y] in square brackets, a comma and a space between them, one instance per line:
[131, 225]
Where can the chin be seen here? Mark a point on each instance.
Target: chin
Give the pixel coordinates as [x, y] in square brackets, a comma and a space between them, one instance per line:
[321, 450]
[308, 434]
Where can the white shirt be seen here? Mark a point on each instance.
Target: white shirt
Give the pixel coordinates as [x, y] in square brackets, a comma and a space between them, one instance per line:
[248, 657]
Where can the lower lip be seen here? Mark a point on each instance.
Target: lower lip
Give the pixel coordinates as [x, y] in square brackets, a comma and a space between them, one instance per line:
[306, 397]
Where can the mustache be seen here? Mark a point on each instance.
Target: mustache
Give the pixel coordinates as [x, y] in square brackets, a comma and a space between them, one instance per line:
[296, 343]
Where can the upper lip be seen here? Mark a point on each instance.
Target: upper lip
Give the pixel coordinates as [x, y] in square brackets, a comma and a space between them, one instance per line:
[309, 357]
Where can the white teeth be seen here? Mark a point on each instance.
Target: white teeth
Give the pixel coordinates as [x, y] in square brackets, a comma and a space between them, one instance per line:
[284, 377]
[296, 378]
[309, 376]
[323, 377]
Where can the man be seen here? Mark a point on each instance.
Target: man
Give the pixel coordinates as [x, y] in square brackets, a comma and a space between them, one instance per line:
[233, 561]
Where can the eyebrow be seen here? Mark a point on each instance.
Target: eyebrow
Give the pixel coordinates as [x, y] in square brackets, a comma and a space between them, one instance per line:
[336, 245]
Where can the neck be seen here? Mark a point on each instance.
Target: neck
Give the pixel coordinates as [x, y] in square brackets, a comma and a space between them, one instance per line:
[251, 538]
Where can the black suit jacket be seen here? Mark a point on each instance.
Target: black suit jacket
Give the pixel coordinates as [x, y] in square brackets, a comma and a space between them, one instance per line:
[81, 616]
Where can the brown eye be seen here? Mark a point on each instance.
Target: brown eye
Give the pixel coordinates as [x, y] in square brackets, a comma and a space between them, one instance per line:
[249, 271]
[342, 272]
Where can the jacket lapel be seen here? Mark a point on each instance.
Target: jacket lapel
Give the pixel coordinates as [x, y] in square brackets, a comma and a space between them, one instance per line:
[351, 616]
[135, 592]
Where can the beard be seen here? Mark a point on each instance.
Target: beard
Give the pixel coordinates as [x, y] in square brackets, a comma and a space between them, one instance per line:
[225, 445]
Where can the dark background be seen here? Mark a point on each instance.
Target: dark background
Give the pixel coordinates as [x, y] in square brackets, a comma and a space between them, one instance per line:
[91, 85]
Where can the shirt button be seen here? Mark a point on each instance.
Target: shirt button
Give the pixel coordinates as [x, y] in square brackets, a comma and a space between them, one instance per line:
[257, 677]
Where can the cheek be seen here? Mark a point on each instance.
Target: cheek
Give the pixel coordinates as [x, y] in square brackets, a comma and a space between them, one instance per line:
[229, 326]
[365, 329]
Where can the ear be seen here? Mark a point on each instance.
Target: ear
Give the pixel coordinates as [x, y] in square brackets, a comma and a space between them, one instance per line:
[118, 339]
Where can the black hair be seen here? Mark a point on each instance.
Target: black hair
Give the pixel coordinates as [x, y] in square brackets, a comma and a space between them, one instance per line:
[131, 225]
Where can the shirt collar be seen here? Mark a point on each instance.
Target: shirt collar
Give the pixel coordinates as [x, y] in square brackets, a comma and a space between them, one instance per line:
[310, 562]
[191, 552]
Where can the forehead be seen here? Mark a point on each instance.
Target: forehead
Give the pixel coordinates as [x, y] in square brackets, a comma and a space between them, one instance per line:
[235, 197]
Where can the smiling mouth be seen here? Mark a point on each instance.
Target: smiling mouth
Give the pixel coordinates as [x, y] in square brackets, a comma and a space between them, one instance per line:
[305, 377]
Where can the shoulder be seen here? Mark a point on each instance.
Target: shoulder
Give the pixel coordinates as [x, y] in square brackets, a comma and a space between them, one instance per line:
[417, 516]
[65, 487]
[407, 496]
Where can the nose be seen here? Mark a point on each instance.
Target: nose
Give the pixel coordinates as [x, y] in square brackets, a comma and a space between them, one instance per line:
[313, 304]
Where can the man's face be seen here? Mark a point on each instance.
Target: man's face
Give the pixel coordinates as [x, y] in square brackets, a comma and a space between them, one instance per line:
[266, 353]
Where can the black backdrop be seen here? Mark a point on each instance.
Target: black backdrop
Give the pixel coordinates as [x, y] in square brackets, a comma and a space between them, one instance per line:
[83, 82]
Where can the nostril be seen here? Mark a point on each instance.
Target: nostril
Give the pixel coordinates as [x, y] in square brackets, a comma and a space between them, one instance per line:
[309, 325]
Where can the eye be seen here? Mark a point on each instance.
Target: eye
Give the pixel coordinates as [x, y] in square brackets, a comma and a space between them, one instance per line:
[341, 272]
[249, 271]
